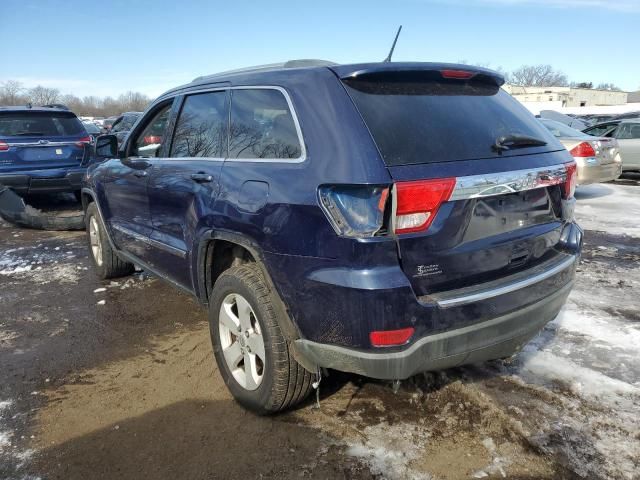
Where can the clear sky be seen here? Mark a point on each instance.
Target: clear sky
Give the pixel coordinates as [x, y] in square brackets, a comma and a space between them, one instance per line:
[106, 47]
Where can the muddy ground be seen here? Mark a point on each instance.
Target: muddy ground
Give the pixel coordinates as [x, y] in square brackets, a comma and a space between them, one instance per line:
[116, 379]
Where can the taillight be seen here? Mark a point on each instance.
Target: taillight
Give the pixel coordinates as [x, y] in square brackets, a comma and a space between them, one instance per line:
[569, 186]
[584, 149]
[417, 202]
[354, 211]
[4, 147]
[456, 74]
[390, 338]
[83, 141]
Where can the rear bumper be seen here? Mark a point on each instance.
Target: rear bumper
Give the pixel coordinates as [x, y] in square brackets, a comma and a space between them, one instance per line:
[598, 173]
[44, 181]
[495, 338]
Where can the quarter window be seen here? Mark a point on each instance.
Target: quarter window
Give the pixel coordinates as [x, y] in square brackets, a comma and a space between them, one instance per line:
[262, 126]
[201, 130]
[149, 142]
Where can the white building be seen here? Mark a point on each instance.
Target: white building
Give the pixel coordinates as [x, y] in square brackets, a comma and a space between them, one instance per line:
[566, 96]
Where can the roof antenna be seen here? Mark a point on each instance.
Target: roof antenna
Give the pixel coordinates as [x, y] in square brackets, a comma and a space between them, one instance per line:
[388, 59]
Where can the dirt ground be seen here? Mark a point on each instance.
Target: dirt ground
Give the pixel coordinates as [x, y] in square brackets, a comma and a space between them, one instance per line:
[116, 379]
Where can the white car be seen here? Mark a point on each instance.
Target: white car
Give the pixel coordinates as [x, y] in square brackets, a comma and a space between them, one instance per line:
[627, 133]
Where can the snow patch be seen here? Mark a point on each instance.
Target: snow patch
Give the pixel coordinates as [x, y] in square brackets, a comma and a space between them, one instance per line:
[389, 449]
[601, 327]
[608, 207]
[584, 381]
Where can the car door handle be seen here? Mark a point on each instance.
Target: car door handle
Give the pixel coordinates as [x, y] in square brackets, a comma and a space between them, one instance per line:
[140, 173]
[201, 177]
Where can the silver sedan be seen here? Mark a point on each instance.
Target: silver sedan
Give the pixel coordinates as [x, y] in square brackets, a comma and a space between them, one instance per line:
[598, 158]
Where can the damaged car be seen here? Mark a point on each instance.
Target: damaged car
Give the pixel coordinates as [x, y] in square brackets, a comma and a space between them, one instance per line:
[42, 149]
[334, 217]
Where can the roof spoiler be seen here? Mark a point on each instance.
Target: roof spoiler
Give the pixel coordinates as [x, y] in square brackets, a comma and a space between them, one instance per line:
[444, 70]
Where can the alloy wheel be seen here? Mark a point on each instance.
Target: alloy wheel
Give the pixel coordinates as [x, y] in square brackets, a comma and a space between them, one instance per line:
[94, 240]
[242, 341]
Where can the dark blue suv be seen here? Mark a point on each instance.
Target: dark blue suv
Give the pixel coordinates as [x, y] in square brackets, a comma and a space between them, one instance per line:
[42, 149]
[384, 219]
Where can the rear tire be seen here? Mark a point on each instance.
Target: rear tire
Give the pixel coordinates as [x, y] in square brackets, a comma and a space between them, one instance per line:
[107, 263]
[270, 384]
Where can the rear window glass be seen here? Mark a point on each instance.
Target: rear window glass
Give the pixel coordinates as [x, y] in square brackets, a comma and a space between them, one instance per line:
[39, 124]
[262, 126]
[416, 120]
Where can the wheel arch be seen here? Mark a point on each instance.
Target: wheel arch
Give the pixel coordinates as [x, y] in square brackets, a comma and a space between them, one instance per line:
[205, 265]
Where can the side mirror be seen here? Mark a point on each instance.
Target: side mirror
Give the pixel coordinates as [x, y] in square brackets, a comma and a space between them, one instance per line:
[106, 146]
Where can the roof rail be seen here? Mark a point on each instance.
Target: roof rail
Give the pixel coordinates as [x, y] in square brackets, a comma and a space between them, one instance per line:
[298, 63]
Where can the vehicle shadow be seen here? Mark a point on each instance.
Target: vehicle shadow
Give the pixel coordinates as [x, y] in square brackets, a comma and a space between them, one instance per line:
[196, 440]
[595, 190]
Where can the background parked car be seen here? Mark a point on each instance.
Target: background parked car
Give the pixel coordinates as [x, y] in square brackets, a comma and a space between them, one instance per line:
[627, 133]
[42, 149]
[572, 122]
[107, 123]
[597, 157]
[626, 116]
[122, 125]
[92, 129]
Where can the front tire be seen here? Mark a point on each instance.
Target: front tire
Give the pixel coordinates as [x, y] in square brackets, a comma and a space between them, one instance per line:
[252, 354]
[107, 263]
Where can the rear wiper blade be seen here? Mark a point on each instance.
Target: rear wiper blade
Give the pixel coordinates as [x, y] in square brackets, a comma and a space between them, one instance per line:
[28, 134]
[507, 142]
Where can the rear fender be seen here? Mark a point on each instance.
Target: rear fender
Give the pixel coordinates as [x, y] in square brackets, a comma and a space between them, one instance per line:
[207, 239]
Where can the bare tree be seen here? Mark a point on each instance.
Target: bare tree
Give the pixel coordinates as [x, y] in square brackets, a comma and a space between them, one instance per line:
[609, 86]
[43, 96]
[133, 101]
[538, 76]
[11, 93]
[581, 84]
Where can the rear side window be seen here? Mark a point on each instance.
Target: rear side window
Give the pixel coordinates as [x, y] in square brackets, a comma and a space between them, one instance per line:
[600, 130]
[40, 124]
[628, 131]
[262, 126]
[201, 130]
[415, 118]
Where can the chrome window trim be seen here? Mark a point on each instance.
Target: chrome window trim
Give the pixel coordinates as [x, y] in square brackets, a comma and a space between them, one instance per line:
[487, 185]
[294, 115]
[511, 287]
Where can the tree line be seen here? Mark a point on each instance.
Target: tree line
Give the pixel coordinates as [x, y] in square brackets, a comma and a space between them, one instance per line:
[13, 92]
[542, 76]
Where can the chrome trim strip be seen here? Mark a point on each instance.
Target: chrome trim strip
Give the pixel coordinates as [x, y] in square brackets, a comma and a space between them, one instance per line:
[150, 241]
[512, 287]
[487, 185]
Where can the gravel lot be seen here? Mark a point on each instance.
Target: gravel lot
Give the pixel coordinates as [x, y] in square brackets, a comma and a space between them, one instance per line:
[108, 380]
